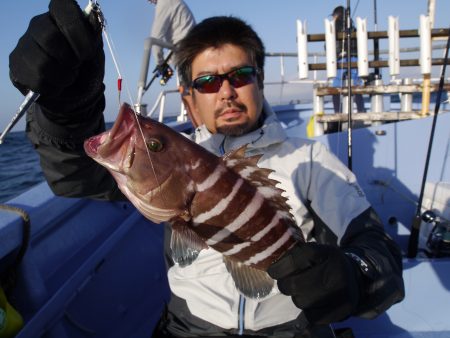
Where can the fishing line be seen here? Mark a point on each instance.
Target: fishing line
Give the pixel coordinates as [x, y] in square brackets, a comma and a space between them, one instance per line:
[341, 95]
[354, 9]
[112, 51]
[119, 79]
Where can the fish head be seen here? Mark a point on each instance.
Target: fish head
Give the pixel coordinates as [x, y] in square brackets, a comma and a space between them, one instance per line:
[143, 156]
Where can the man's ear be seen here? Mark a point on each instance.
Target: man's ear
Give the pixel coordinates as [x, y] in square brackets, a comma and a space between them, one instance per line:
[186, 98]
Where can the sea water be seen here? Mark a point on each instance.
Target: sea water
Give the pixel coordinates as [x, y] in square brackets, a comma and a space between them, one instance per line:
[19, 166]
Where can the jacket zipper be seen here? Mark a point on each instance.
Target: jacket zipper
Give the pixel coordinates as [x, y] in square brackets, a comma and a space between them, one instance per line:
[241, 315]
[222, 147]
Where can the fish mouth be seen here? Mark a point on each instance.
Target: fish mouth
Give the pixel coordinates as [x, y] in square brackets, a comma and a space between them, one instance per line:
[108, 143]
[125, 122]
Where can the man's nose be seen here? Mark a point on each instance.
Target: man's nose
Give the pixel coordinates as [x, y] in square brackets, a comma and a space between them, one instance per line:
[227, 91]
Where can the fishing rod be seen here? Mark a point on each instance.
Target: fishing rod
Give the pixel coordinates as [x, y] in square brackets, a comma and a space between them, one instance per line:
[349, 87]
[32, 96]
[29, 99]
[376, 45]
[415, 228]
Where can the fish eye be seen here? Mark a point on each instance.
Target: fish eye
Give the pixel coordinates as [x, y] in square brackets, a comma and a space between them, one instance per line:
[154, 145]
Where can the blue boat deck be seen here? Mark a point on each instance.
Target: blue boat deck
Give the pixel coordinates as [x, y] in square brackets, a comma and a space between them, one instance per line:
[89, 264]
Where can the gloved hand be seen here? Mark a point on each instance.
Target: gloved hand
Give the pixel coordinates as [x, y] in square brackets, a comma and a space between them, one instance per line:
[165, 71]
[160, 69]
[321, 279]
[61, 57]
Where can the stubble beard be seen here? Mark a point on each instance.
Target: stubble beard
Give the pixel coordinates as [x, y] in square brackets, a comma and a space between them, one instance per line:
[233, 130]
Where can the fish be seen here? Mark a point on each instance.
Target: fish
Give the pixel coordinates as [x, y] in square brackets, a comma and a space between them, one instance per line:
[227, 203]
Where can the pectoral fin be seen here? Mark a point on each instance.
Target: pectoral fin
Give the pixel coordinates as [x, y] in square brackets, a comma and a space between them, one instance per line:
[185, 243]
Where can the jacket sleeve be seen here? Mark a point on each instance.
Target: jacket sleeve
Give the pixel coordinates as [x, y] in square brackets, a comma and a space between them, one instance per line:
[161, 29]
[343, 216]
[67, 169]
[380, 262]
[378, 259]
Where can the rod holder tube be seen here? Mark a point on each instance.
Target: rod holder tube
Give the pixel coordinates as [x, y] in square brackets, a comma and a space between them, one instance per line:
[394, 46]
[330, 47]
[302, 47]
[363, 55]
[425, 44]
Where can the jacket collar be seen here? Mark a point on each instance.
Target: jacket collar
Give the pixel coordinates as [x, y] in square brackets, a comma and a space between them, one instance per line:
[269, 133]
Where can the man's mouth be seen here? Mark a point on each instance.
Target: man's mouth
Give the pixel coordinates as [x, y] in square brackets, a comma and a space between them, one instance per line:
[230, 114]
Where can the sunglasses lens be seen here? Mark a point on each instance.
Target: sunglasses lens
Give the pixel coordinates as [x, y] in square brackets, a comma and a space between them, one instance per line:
[237, 78]
[242, 76]
[207, 84]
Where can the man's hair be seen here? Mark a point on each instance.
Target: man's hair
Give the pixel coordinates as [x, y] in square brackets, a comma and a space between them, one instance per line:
[215, 32]
[338, 11]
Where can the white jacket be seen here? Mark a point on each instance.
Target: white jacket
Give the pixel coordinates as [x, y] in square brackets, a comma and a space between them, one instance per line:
[307, 171]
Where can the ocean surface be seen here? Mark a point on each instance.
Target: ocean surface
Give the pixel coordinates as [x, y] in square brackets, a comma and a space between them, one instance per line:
[19, 166]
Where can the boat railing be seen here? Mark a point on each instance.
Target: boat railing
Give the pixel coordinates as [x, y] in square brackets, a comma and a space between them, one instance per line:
[161, 103]
[405, 88]
[316, 70]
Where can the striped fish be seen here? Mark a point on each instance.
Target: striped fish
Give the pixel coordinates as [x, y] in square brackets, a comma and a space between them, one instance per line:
[227, 203]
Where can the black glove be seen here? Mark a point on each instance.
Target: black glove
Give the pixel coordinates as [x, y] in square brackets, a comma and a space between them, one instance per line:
[159, 69]
[61, 57]
[321, 279]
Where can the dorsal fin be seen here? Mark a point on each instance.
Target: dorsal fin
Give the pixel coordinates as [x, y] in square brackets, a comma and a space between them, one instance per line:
[239, 155]
[247, 168]
[251, 282]
[185, 243]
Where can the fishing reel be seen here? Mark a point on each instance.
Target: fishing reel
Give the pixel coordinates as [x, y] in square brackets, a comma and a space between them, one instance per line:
[165, 71]
[438, 242]
[166, 75]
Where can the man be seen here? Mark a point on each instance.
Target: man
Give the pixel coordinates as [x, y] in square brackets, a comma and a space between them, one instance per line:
[348, 267]
[171, 22]
[341, 54]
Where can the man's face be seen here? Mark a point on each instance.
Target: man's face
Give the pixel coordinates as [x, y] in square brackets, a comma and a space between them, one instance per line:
[230, 111]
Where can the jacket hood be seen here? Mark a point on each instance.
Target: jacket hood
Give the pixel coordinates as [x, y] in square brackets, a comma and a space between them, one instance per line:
[269, 133]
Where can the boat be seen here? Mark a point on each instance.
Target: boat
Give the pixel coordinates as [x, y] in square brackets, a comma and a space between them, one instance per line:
[86, 268]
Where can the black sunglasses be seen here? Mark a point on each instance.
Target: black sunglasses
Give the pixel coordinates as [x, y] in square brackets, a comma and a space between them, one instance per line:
[237, 78]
